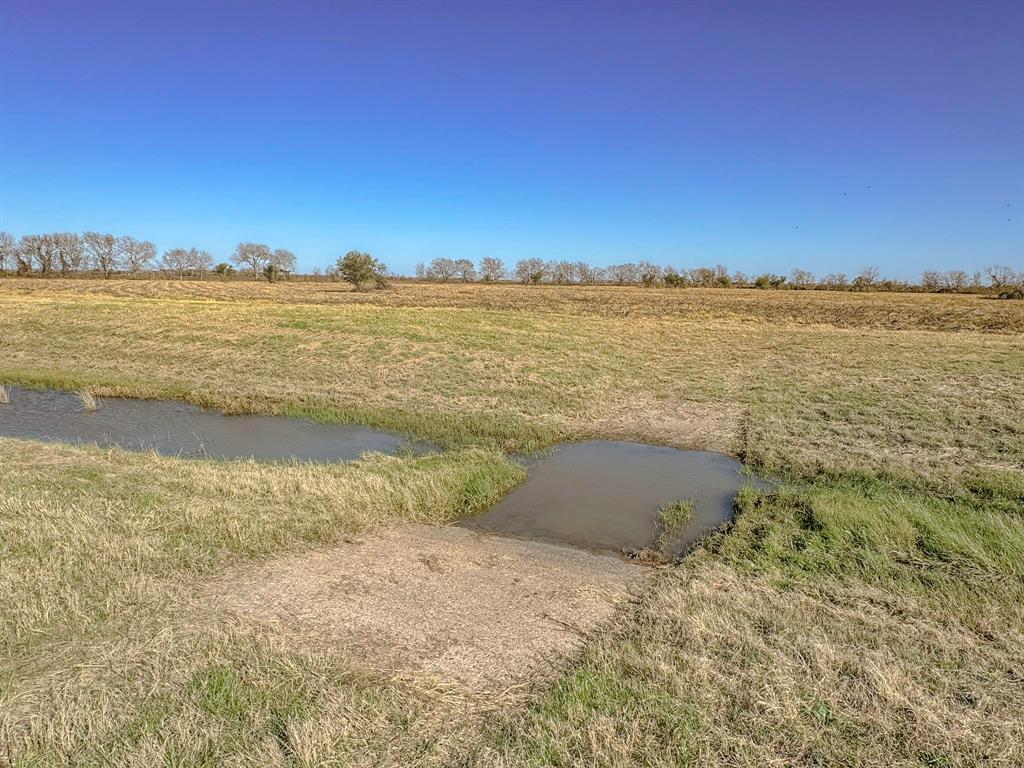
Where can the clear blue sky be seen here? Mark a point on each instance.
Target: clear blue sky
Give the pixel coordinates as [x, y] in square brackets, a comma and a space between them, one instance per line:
[759, 135]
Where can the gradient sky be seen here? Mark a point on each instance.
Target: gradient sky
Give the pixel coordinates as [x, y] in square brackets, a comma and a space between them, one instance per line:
[760, 135]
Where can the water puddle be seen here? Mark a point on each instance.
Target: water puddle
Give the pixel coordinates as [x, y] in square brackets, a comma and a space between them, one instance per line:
[178, 429]
[618, 496]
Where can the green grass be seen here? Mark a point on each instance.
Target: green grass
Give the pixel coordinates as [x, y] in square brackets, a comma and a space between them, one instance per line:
[672, 519]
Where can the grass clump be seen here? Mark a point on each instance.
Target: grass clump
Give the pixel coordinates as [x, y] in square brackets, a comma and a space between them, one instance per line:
[672, 520]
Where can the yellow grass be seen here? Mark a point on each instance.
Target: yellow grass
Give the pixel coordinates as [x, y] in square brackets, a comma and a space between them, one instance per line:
[865, 612]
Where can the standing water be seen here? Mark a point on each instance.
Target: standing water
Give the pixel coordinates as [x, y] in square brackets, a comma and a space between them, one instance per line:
[179, 429]
[607, 496]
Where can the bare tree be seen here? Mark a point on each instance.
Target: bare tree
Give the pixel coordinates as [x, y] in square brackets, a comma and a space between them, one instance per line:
[283, 259]
[70, 251]
[492, 270]
[135, 255]
[931, 280]
[441, 269]
[999, 276]
[40, 250]
[421, 271]
[530, 270]
[186, 261]
[464, 270]
[23, 254]
[584, 274]
[101, 251]
[8, 251]
[955, 280]
[801, 278]
[255, 256]
[559, 272]
[835, 281]
[650, 274]
[867, 279]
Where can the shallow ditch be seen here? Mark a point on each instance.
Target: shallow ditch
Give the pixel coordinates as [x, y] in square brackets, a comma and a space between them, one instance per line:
[648, 502]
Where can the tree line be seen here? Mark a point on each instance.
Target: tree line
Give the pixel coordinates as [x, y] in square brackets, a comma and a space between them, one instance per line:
[538, 271]
[66, 253]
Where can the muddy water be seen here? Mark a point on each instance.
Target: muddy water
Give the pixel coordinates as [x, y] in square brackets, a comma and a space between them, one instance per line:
[606, 496]
[179, 429]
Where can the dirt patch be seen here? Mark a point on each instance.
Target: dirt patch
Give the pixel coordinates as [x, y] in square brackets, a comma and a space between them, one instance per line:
[448, 607]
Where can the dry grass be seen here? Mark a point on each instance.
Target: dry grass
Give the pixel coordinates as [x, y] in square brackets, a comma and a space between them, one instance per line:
[866, 612]
[782, 395]
[886, 311]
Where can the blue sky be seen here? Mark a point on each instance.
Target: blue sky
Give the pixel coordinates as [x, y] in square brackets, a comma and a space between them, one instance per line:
[763, 136]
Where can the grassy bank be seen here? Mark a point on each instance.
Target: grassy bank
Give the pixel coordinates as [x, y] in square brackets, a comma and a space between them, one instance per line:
[866, 612]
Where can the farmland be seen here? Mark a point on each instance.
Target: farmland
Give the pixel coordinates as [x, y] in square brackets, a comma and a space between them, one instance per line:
[864, 610]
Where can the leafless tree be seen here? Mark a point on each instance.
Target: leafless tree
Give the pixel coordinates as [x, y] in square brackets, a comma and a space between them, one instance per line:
[8, 251]
[40, 250]
[442, 269]
[70, 250]
[931, 280]
[1000, 276]
[650, 274]
[835, 280]
[464, 270]
[421, 271]
[530, 270]
[867, 279]
[283, 259]
[185, 261]
[559, 272]
[705, 277]
[740, 279]
[101, 251]
[135, 255]
[23, 255]
[492, 270]
[801, 278]
[255, 256]
[584, 274]
[955, 280]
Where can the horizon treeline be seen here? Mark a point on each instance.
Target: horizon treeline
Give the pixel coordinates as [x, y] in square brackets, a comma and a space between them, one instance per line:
[97, 253]
[538, 271]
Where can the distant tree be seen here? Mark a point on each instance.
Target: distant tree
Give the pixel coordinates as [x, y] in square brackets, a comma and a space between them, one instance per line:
[442, 269]
[529, 270]
[186, 261]
[492, 270]
[283, 259]
[866, 280]
[674, 279]
[23, 255]
[584, 274]
[1000, 276]
[740, 279]
[421, 271]
[955, 280]
[224, 269]
[70, 251]
[135, 255]
[650, 274]
[254, 256]
[705, 277]
[835, 281]
[8, 251]
[359, 268]
[464, 270]
[931, 280]
[559, 272]
[272, 272]
[39, 250]
[801, 278]
[101, 251]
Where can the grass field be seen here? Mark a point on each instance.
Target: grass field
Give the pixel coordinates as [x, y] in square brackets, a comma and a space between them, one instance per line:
[865, 612]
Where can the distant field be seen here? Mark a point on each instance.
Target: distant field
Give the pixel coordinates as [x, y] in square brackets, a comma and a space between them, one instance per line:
[866, 612]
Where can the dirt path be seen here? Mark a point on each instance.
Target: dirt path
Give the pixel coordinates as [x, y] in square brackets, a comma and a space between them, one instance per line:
[443, 606]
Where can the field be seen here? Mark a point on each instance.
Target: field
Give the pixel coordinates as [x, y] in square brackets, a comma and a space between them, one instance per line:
[866, 611]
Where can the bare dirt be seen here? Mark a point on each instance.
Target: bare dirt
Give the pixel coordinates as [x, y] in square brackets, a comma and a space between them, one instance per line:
[441, 607]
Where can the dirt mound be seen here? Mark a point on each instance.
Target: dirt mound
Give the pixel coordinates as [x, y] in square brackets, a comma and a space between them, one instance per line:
[443, 606]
